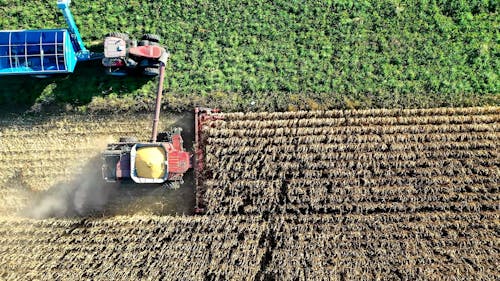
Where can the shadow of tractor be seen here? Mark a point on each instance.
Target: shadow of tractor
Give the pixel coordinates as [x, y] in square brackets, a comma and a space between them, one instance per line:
[20, 93]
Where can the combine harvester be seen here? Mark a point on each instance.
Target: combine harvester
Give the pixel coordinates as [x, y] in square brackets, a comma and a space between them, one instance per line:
[46, 52]
[163, 160]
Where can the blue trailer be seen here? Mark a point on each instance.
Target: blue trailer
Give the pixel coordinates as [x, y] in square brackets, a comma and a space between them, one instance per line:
[43, 52]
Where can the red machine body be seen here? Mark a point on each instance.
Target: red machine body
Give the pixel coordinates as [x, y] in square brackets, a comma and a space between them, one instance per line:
[179, 161]
[120, 160]
[203, 117]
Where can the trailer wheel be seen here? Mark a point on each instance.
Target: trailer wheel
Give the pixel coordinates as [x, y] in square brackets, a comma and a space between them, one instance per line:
[151, 37]
[41, 76]
[151, 71]
[128, 139]
[121, 35]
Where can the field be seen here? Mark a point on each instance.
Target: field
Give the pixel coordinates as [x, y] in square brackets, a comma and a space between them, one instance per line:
[358, 187]
[282, 55]
[323, 195]
[354, 162]
[55, 156]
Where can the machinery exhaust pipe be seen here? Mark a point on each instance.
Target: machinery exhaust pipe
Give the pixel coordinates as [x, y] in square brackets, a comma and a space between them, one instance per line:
[159, 94]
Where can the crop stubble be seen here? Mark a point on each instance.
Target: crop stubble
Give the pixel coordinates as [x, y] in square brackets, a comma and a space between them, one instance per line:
[337, 195]
[38, 153]
[361, 162]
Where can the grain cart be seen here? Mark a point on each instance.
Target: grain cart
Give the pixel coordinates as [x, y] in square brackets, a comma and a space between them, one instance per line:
[43, 52]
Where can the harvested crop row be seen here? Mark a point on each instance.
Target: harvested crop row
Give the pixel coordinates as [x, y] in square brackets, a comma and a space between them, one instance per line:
[317, 163]
[314, 247]
[42, 152]
[121, 248]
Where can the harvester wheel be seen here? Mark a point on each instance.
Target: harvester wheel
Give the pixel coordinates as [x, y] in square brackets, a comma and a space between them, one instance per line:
[128, 139]
[151, 71]
[121, 35]
[173, 185]
[151, 37]
[164, 137]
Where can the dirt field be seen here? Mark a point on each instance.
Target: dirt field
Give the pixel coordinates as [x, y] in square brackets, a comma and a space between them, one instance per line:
[336, 195]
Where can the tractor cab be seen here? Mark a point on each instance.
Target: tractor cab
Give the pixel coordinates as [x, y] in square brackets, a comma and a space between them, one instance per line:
[124, 56]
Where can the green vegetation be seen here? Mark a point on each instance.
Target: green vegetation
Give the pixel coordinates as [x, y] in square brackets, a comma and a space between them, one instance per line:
[281, 55]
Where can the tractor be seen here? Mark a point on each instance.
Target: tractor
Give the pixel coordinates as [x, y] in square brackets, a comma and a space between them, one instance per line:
[124, 56]
[163, 160]
[43, 53]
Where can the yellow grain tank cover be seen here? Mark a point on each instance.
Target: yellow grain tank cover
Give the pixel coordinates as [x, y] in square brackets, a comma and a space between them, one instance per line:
[150, 162]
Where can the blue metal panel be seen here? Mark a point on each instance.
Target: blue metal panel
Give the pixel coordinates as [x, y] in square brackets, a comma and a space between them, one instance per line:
[36, 52]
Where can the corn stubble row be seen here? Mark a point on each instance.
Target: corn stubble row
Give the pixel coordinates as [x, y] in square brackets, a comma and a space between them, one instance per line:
[361, 162]
[413, 246]
[302, 196]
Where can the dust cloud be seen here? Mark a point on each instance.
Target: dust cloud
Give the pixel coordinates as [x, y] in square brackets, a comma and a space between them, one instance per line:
[87, 194]
[84, 195]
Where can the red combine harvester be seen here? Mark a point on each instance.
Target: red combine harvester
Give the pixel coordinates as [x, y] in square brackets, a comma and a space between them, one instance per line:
[163, 160]
[203, 116]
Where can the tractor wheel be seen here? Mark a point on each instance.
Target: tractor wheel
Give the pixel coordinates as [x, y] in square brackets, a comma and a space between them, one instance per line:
[116, 72]
[121, 35]
[164, 137]
[147, 43]
[151, 71]
[131, 63]
[151, 37]
[143, 43]
[128, 139]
